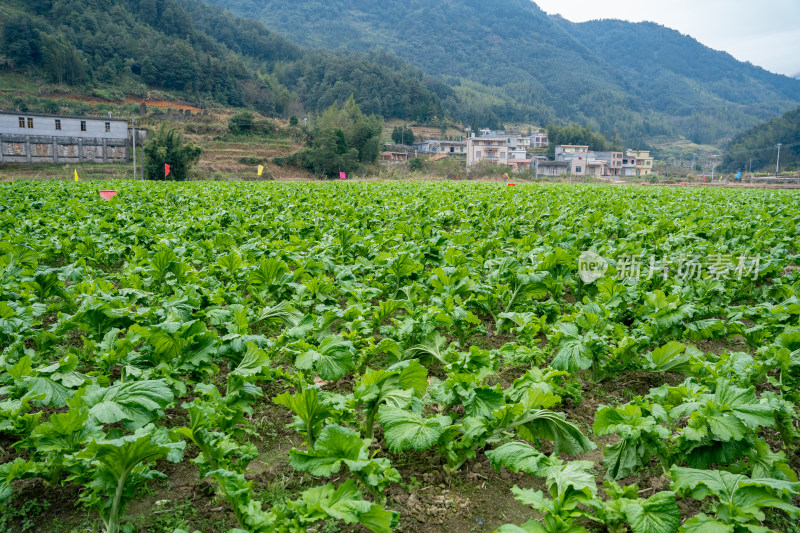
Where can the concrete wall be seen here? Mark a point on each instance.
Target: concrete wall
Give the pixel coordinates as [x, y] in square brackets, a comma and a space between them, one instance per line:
[52, 149]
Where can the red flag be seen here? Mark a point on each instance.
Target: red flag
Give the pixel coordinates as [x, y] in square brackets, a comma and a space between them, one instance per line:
[166, 169]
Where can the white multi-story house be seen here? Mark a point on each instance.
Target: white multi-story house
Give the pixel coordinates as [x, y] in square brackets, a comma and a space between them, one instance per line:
[519, 141]
[582, 161]
[490, 149]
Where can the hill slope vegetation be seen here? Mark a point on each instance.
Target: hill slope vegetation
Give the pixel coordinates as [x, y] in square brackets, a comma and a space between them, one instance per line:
[200, 52]
[633, 80]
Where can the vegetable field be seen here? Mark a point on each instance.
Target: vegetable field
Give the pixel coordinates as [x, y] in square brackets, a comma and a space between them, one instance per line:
[289, 357]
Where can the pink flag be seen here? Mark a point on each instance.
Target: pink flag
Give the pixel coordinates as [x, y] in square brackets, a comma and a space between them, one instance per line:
[342, 176]
[166, 170]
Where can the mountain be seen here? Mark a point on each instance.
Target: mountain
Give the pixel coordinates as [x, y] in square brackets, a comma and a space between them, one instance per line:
[674, 74]
[629, 80]
[197, 51]
[758, 145]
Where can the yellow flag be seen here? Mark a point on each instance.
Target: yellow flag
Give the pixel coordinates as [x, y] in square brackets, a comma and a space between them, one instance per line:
[260, 169]
[76, 174]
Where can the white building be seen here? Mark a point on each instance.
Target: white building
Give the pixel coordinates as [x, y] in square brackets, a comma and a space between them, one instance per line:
[35, 137]
[491, 149]
[582, 161]
[441, 147]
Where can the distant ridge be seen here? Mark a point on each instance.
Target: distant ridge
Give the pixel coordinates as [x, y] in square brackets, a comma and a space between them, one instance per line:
[631, 80]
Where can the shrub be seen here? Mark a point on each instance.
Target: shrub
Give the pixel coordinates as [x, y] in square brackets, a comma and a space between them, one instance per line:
[168, 147]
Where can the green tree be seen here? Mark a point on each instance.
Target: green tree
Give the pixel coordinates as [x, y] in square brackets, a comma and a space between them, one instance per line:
[345, 138]
[167, 147]
[241, 123]
[331, 155]
[403, 135]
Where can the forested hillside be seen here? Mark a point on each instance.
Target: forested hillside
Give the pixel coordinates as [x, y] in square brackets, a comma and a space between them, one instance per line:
[758, 145]
[202, 53]
[709, 92]
[623, 79]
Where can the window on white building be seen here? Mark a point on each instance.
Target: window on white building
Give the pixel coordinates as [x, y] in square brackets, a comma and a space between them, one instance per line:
[30, 122]
[83, 125]
[58, 123]
[21, 122]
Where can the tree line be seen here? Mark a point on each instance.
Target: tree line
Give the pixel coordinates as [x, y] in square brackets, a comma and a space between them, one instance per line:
[757, 147]
[204, 54]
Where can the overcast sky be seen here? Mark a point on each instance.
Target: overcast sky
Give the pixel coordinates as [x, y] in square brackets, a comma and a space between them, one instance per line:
[763, 32]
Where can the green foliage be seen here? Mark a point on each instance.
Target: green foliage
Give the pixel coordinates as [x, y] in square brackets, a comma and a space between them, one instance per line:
[241, 123]
[575, 134]
[117, 466]
[757, 149]
[166, 146]
[345, 138]
[641, 439]
[403, 135]
[660, 81]
[421, 342]
[740, 501]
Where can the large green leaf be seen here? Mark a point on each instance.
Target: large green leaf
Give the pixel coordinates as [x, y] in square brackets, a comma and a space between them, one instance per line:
[308, 406]
[404, 430]
[136, 403]
[573, 354]
[64, 432]
[546, 424]
[518, 457]
[658, 514]
[334, 445]
[332, 359]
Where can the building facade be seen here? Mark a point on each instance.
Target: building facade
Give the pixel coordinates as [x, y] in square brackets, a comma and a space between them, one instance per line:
[441, 147]
[644, 163]
[613, 162]
[539, 139]
[490, 149]
[39, 138]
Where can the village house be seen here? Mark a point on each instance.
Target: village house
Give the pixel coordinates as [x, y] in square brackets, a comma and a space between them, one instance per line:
[491, 149]
[582, 161]
[41, 138]
[643, 161]
[395, 158]
[440, 147]
[553, 168]
[613, 162]
[539, 139]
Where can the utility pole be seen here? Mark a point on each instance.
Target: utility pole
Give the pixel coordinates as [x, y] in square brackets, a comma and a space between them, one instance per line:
[133, 138]
[778, 163]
